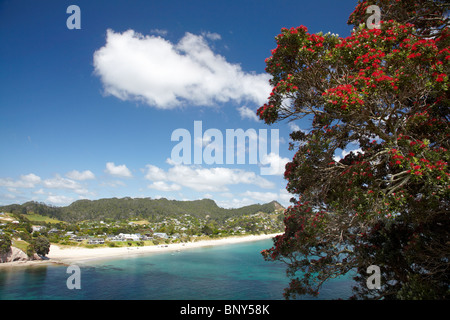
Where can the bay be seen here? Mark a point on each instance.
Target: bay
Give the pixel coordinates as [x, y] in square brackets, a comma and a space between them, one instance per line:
[225, 272]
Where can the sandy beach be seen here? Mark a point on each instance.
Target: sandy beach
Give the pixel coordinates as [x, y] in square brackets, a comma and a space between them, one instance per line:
[74, 255]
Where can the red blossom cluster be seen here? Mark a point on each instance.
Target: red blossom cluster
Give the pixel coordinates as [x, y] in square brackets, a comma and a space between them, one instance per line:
[381, 59]
[420, 159]
[343, 95]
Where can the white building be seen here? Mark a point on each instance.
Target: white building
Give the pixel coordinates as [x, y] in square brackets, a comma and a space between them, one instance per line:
[160, 235]
[128, 236]
[37, 228]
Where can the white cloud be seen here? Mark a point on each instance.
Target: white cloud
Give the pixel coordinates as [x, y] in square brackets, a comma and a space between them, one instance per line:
[59, 182]
[77, 175]
[206, 179]
[203, 141]
[160, 32]
[251, 197]
[276, 164]
[293, 126]
[235, 203]
[40, 191]
[167, 75]
[59, 199]
[155, 173]
[226, 194]
[31, 178]
[246, 112]
[25, 181]
[118, 171]
[262, 197]
[212, 35]
[285, 197]
[163, 186]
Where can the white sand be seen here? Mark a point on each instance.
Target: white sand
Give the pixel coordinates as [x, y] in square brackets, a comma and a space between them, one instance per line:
[73, 255]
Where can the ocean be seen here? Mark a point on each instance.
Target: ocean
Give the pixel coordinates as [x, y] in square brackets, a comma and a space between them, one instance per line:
[225, 272]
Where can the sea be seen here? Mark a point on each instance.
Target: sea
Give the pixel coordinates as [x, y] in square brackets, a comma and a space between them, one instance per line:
[224, 272]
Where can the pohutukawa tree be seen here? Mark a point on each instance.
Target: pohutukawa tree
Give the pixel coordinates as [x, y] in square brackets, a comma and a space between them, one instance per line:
[386, 204]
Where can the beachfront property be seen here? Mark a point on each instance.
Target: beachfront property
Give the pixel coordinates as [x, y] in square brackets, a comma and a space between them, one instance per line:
[161, 235]
[79, 238]
[96, 241]
[125, 237]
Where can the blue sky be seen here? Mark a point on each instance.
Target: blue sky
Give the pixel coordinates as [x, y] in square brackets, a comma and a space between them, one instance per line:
[89, 113]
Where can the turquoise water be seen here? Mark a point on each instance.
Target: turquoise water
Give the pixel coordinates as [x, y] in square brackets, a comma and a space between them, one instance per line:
[226, 272]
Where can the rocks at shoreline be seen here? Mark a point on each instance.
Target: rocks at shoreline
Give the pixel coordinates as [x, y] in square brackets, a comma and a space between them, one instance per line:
[15, 254]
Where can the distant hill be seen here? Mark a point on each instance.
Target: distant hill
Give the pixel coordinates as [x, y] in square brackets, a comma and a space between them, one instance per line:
[146, 208]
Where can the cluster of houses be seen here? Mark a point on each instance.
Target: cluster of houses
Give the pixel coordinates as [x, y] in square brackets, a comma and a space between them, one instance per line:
[178, 228]
[119, 237]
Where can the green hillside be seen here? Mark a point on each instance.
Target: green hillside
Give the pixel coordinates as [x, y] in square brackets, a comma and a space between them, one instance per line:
[131, 208]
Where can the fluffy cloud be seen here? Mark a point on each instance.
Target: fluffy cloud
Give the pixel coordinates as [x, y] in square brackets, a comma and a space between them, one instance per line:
[118, 171]
[261, 196]
[25, 181]
[204, 179]
[251, 197]
[59, 199]
[163, 186]
[235, 203]
[59, 182]
[77, 175]
[276, 164]
[212, 35]
[248, 113]
[31, 181]
[155, 173]
[293, 126]
[166, 75]
[285, 197]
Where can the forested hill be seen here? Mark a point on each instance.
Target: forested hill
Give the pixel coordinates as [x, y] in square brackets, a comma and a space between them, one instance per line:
[146, 208]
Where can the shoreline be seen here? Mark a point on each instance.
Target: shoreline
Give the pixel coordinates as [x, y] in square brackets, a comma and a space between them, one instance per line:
[73, 255]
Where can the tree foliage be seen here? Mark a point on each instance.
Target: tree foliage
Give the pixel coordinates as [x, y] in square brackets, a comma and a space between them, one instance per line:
[41, 245]
[387, 202]
[5, 243]
[127, 208]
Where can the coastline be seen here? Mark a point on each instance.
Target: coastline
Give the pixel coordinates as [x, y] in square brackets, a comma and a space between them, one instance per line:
[73, 255]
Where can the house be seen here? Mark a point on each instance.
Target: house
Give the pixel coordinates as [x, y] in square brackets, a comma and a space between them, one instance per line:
[161, 235]
[81, 238]
[132, 237]
[37, 228]
[115, 238]
[96, 241]
[125, 237]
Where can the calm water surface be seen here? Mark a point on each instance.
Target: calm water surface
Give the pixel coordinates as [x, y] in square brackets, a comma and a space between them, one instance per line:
[228, 272]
